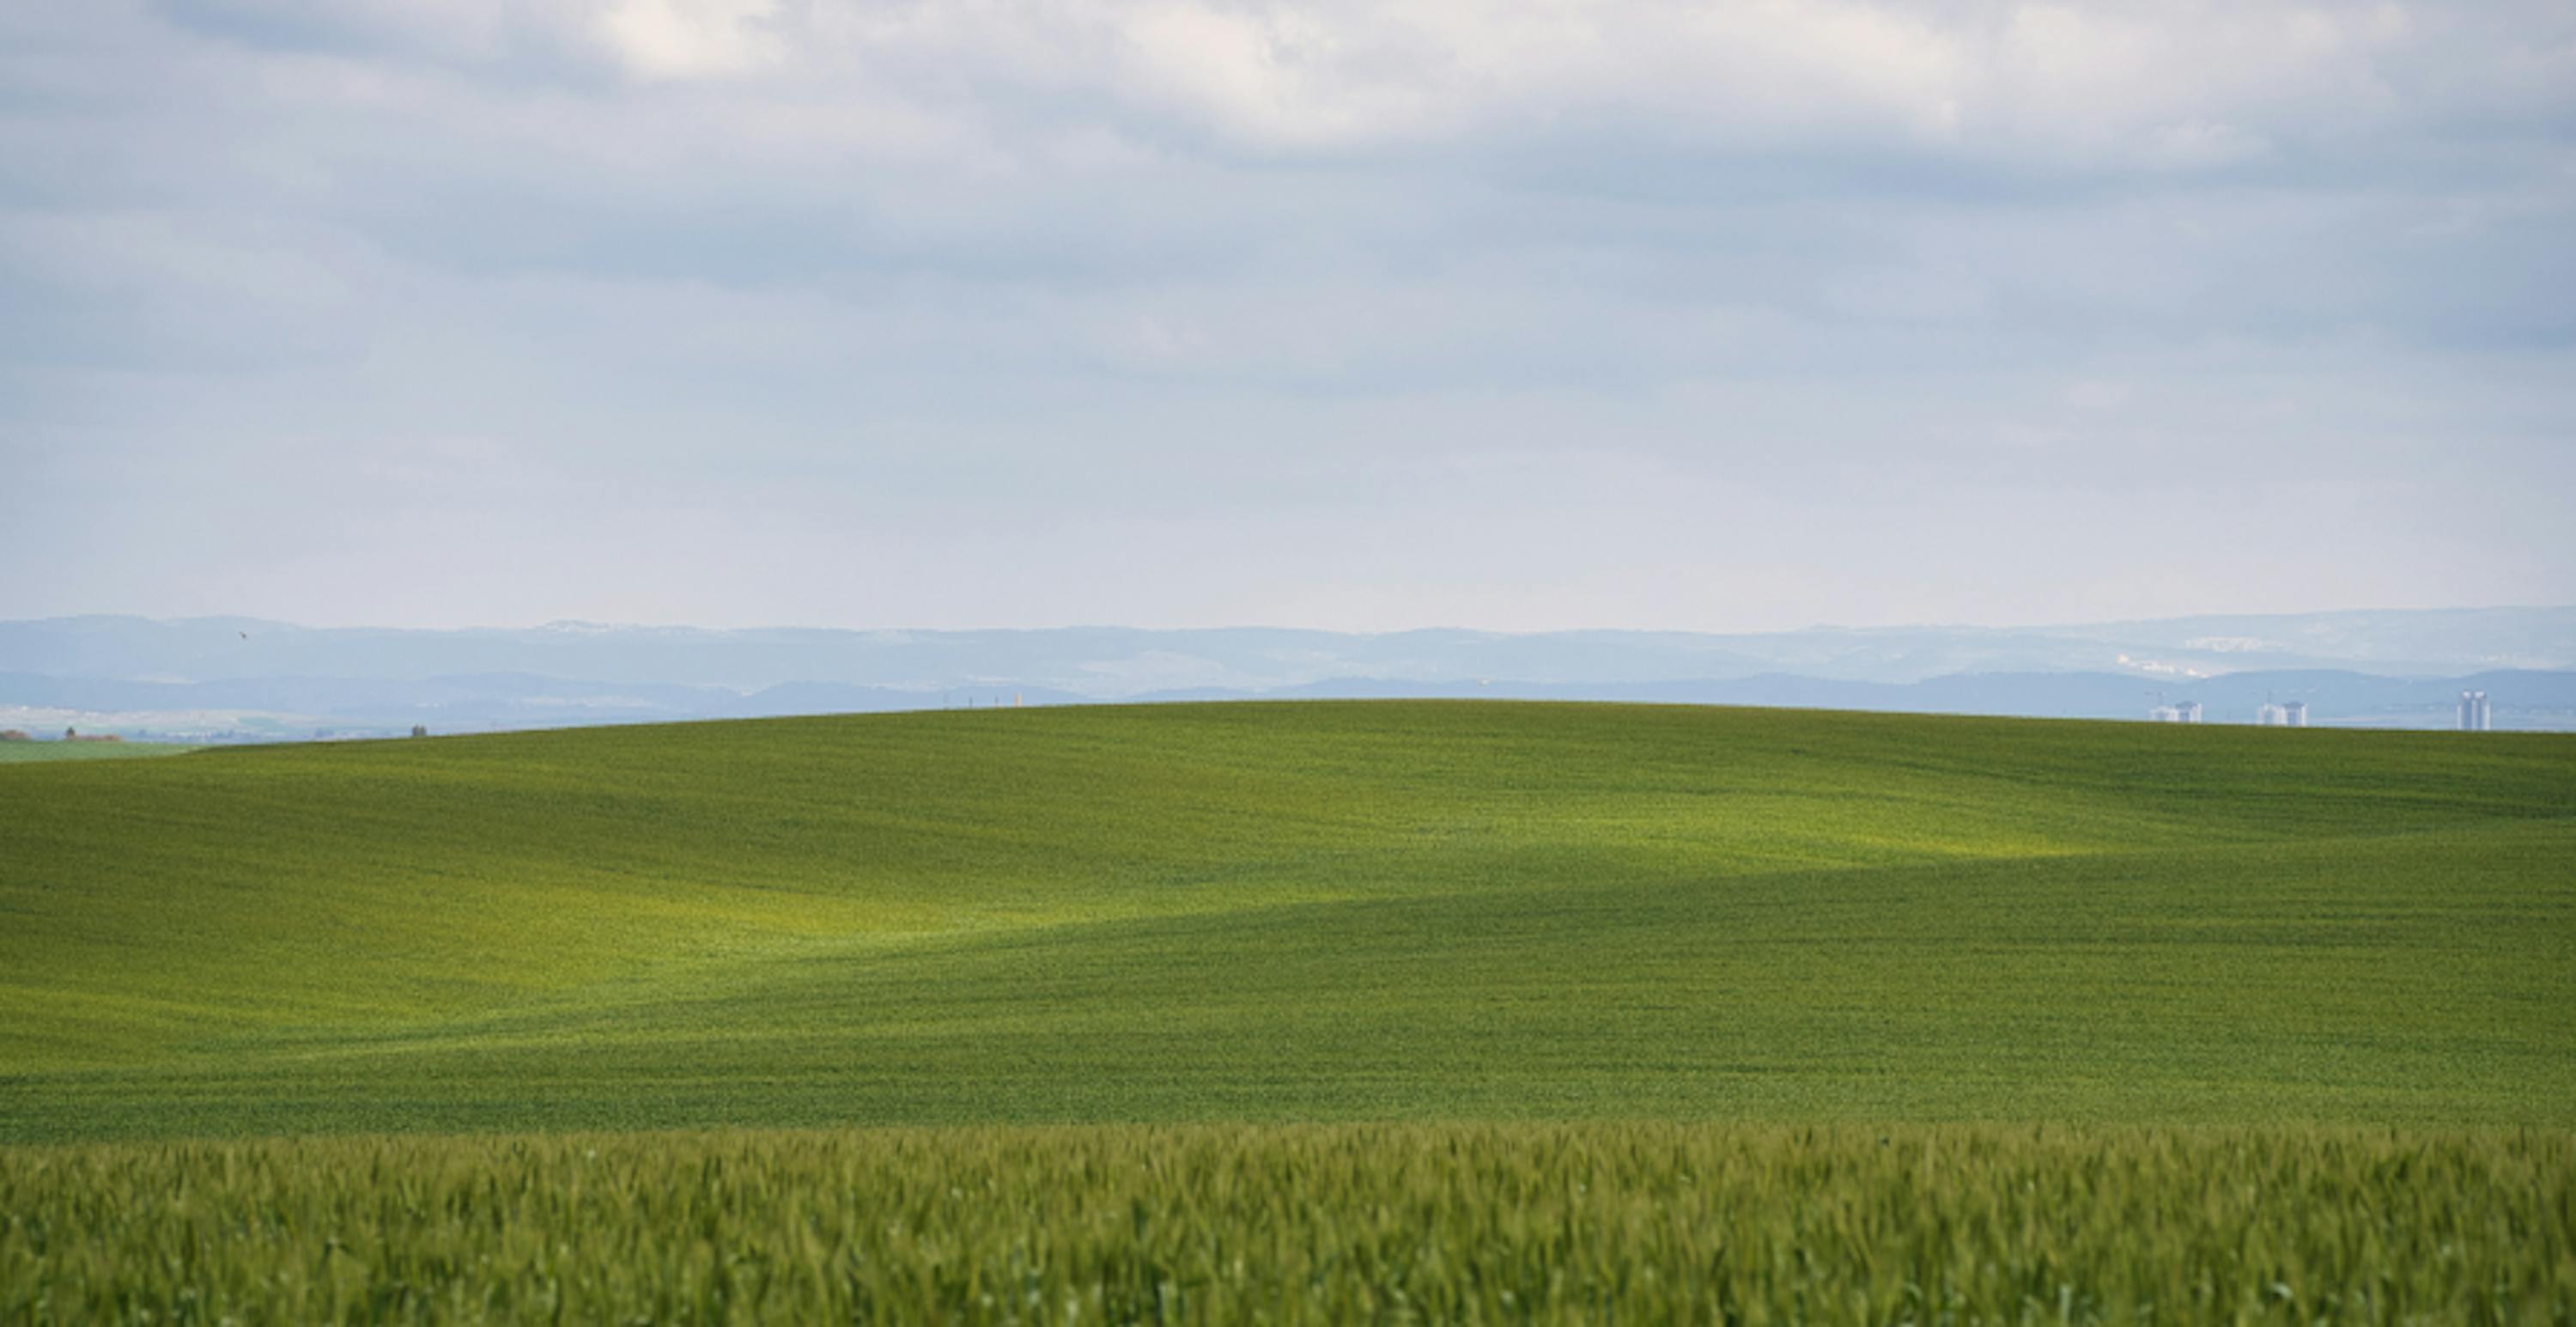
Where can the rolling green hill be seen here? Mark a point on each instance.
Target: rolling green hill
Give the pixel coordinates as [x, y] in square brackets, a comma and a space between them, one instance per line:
[14, 753]
[1293, 912]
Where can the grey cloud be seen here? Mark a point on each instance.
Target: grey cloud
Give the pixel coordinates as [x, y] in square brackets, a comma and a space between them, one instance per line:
[366, 304]
[502, 42]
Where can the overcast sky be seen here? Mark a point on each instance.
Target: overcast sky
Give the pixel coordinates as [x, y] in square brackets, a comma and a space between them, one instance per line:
[1360, 315]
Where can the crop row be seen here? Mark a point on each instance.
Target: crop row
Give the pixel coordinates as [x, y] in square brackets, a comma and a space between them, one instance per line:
[1355, 1223]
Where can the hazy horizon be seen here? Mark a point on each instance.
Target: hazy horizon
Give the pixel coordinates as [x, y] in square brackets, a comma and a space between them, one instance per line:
[1435, 626]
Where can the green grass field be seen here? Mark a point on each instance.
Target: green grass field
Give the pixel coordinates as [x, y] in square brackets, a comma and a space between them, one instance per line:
[15, 753]
[2151, 940]
[1294, 912]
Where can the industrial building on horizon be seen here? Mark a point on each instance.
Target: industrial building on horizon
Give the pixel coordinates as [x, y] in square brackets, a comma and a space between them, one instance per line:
[2180, 711]
[2474, 715]
[2286, 714]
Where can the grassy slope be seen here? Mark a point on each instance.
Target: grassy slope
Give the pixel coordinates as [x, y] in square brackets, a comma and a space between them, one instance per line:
[1294, 911]
[29, 753]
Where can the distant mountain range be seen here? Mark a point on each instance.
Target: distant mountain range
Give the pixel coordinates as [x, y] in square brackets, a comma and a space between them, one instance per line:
[245, 678]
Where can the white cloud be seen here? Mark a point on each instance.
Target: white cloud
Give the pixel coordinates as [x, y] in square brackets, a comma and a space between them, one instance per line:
[2190, 84]
[2187, 84]
[1333, 73]
[1283, 76]
[692, 38]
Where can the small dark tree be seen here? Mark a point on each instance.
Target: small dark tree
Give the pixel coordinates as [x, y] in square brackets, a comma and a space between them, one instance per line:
[420, 730]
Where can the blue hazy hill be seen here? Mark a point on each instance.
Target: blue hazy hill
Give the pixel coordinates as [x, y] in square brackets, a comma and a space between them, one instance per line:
[211, 675]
